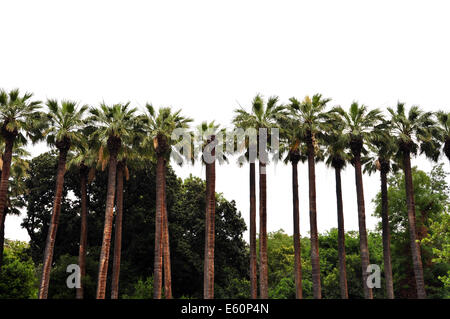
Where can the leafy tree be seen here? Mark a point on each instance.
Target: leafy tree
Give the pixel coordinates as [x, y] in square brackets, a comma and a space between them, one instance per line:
[17, 276]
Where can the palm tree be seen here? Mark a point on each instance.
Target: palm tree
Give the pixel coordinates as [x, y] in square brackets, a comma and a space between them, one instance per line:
[336, 157]
[263, 116]
[19, 117]
[210, 139]
[159, 127]
[359, 122]
[128, 152]
[385, 149]
[444, 123]
[84, 159]
[309, 114]
[112, 125]
[411, 130]
[65, 121]
[292, 138]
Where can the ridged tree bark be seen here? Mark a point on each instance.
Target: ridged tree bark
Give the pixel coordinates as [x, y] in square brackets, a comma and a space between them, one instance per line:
[166, 244]
[158, 260]
[83, 233]
[341, 236]
[118, 232]
[113, 148]
[384, 169]
[208, 282]
[363, 243]
[253, 255]
[296, 219]
[263, 262]
[315, 259]
[2, 238]
[63, 147]
[415, 248]
[9, 138]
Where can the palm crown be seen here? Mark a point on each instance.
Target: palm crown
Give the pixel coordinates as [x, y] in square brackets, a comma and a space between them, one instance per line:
[65, 121]
[413, 130]
[19, 115]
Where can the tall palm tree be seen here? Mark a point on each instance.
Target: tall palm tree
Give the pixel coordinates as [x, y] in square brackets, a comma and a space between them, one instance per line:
[292, 144]
[210, 139]
[19, 117]
[309, 113]
[337, 157]
[264, 115]
[383, 145]
[65, 122]
[159, 127]
[444, 124]
[412, 130]
[359, 123]
[84, 160]
[129, 152]
[112, 125]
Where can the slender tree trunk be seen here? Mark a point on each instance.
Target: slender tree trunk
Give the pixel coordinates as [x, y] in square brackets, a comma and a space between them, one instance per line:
[113, 146]
[415, 248]
[341, 236]
[363, 243]
[386, 231]
[208, 289]
[253, 255]
[263, 262]
[2, 238]
[118, 233]
[297, 246]
[51, 235]
[83, 233]
[4, 183]
[166, 244]
[158, 262]
[315, 259]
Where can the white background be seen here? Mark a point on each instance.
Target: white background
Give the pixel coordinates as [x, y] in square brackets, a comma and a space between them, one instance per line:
[207, 57]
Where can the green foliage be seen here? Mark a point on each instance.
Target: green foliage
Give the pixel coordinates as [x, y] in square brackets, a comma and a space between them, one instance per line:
[431, 193]
[143, 289]
[17, 275]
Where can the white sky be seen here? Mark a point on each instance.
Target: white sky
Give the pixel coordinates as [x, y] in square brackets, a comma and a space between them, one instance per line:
[207, 57]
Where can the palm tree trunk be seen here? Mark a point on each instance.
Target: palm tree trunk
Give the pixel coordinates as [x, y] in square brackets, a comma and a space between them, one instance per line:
[113, 146]
[253, 255]
[117, 233]
[157, 269]
[386, 232]
[210, 230]
[315, 259]
[341, 235]
[165, 243]
[7, 157]
[2, 239]
[263, 262]
[51, 235]
[363, 244]
[83, 233]
[297, 247]
[415, 248]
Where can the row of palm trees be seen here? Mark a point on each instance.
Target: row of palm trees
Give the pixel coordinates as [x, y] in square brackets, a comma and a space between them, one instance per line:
[89, 138]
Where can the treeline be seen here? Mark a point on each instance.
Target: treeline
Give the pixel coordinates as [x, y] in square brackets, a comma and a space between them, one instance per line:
[116, 137]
